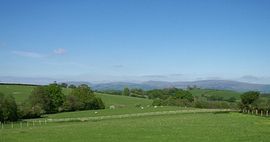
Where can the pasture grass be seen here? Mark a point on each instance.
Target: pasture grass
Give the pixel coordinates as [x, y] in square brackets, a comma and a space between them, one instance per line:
[107, 112]
[226, 94]
[19, 92]
[198, 127]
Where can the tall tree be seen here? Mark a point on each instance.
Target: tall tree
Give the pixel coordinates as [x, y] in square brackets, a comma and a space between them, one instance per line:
[126, 92]
[72, 86]
[86, 96]
[56, 96]
[40, 97]
[64, 85]
[8, 109]
[248, 98]
[50, 98]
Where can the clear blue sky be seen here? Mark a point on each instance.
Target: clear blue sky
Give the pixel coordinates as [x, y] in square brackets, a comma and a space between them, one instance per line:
[97, 40]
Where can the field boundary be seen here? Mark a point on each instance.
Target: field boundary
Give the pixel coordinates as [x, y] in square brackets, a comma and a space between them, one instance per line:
[38, 123]
[96, 118]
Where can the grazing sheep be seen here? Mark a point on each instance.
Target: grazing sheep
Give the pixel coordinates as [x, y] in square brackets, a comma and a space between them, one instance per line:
[142, 107]
[96, 112]
[112, 107]
[155, 106]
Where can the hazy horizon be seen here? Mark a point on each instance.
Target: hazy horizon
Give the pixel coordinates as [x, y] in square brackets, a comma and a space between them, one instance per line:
[127, 79]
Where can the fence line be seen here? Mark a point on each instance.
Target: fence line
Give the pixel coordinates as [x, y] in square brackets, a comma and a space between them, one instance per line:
[256, 112]
[39, 123]
[138, 115]
[22, 124]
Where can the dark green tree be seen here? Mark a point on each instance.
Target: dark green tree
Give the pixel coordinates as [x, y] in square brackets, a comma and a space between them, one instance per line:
[49, 98]
[72, 103]
[56, 96]
[8, 108]
[87, 97]
[71, 86]
[39, 97]
[231, 99]
[126, 92]
[182, 94]
[64, 85]
[248, 98]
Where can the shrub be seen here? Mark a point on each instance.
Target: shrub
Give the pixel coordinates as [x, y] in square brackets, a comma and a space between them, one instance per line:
[8, 108]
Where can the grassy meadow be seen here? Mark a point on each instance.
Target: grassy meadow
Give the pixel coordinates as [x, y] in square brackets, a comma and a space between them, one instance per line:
[226, 94]
[188, 127]
[21, 93]
[198, 127]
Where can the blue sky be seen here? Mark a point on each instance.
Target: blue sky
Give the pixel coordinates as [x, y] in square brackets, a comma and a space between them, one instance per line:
[105, 40]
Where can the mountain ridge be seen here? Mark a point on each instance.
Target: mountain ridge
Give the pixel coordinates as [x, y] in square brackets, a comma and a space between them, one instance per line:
[148, 85]
[205, 84]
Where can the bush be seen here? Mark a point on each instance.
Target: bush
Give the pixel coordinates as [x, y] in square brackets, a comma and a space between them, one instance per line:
[214, 104]
[157, 102]
[261, 104]
[84, 98]
[8, 108]
[72, 103]
[231, 99]
[28, 111]
[50, 98]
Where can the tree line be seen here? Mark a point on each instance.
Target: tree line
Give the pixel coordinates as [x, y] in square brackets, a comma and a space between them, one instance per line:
[49, 99]
[178, 97]
[254, 101]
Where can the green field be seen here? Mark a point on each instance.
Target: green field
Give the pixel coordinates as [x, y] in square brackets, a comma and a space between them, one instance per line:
[19, 92]
[209, 92]
[199, 127]
[22, 92]
[108, 112]
[188, 127]
[123, 105]
[123, 101]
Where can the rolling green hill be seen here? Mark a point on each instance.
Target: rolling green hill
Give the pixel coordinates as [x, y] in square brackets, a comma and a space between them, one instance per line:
[209, 92]
[21, 92]
[192, 127]
[197, 127]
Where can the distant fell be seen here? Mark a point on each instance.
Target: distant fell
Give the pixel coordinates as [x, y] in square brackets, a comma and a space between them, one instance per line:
[205, 84]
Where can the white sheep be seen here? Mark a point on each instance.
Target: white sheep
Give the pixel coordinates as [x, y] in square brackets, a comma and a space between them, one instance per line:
[112, 107]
